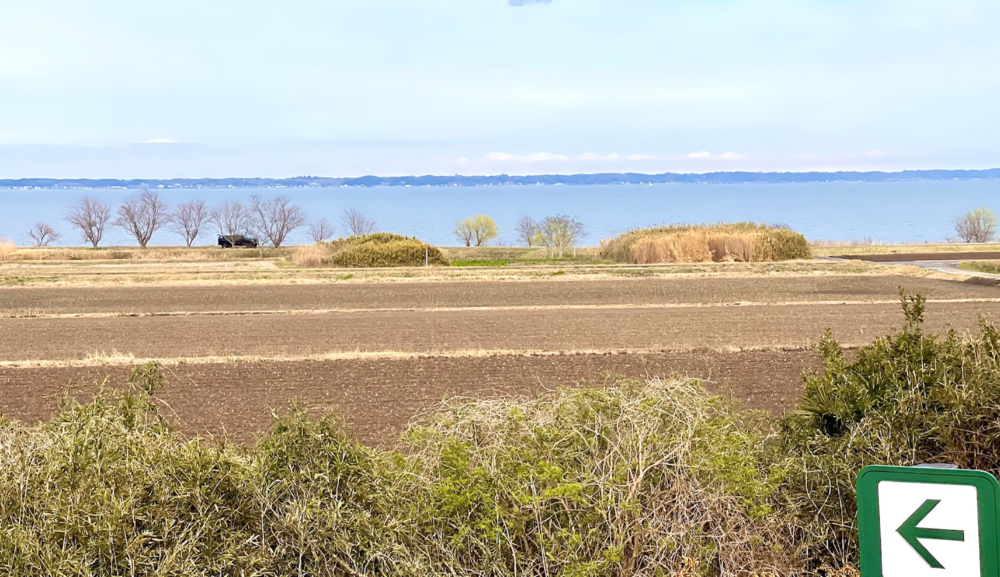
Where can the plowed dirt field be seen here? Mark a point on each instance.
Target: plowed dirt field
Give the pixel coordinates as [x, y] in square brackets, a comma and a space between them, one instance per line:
[155, 299]
[640, 329]
[236, 352]
[377, 398]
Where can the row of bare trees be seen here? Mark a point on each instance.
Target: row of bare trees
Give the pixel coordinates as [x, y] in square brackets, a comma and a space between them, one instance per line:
[144, 214]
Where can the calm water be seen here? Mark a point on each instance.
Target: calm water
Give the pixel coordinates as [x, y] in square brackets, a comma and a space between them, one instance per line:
[890, 212]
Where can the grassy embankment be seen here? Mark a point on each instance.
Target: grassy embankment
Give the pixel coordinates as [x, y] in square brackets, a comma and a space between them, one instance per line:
[987, 266]
[640, 478]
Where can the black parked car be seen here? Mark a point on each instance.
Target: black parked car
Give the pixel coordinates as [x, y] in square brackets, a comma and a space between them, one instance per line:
[237, 240]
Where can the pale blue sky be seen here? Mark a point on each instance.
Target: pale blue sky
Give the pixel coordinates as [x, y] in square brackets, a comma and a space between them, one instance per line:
[119, 88]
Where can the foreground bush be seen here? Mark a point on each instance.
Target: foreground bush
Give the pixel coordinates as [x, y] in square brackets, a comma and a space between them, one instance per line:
[739, 242]
[383, 249]
[906, 399]
[622, 481]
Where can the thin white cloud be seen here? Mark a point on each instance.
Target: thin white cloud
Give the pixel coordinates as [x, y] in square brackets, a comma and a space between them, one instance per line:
[702, 160]
[162, 141]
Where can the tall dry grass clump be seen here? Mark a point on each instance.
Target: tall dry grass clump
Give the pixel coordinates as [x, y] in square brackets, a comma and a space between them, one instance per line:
[739, 242]
[383, 249]
[7, 248]
[311, 256]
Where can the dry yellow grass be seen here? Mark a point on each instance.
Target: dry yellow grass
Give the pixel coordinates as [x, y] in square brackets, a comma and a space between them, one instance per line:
[310, 256]
[690, 246]
[695, 246]
[134, 253]
[114, 358]
[7, 248]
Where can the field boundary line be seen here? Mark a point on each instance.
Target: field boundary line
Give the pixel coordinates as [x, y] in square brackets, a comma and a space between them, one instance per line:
[115, 359]
[27, 315]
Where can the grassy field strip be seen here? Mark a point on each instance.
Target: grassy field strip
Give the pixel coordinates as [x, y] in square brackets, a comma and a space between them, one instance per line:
[617, 306]
[115, 359]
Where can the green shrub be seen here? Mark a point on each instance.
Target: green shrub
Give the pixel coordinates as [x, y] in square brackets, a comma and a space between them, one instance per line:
[383, 249]
[905, 399]
[765, 243]
[619, 481]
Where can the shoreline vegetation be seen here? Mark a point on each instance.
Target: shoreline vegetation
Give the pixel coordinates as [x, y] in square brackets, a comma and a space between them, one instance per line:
[721, 242]
[510, 180]
[639, 477]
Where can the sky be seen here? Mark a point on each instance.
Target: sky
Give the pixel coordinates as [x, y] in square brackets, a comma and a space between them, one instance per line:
[185, 88]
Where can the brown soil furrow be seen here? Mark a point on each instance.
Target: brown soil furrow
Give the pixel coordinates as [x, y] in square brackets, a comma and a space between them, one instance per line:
[109, 315]
[377, 398]
[435, 332]
[423, 295]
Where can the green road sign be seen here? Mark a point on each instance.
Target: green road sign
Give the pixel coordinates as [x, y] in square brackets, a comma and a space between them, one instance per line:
[928, 522]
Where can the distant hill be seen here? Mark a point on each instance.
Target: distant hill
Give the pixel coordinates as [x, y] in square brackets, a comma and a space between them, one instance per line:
[505, 180]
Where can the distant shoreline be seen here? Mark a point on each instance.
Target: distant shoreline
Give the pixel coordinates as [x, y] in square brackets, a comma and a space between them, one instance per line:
[506, 180]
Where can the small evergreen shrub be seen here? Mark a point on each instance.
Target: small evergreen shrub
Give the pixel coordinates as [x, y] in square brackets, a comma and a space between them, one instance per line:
[383, 249]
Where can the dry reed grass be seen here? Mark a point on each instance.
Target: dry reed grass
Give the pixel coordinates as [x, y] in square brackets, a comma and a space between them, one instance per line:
[170, 254]
[311, 256]
[7, 248]
[723, 242]
[694, 246]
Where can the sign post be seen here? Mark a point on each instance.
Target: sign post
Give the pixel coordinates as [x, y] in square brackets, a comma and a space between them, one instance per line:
[928, 522]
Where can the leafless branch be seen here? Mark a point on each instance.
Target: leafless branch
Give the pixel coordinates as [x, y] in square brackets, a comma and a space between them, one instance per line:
[276, 217]
[231, 217]
[91, 216]
[188, 219]
[528, 230]
[357, 223]
[43, 234]
[142, 215]
[320, 230]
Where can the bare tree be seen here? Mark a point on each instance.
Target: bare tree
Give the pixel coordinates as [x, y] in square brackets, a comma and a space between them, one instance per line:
[188, 219]
[357, 223]
[528, 231]
[43, 234]
[561, 232]
[320, 230]
[276, 217]
[979, 225]
[91, 216]
[142, 215]
[232, 218]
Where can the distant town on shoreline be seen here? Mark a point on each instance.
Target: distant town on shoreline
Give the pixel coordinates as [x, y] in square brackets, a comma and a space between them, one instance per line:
[507, 180]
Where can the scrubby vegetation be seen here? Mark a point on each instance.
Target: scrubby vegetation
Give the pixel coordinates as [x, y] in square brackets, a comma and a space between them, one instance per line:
[383, 249]
[987, 266]
[740, 242]
[639, 478]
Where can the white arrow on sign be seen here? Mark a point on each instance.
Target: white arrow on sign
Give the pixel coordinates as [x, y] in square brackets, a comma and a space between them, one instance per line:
[929, 530]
